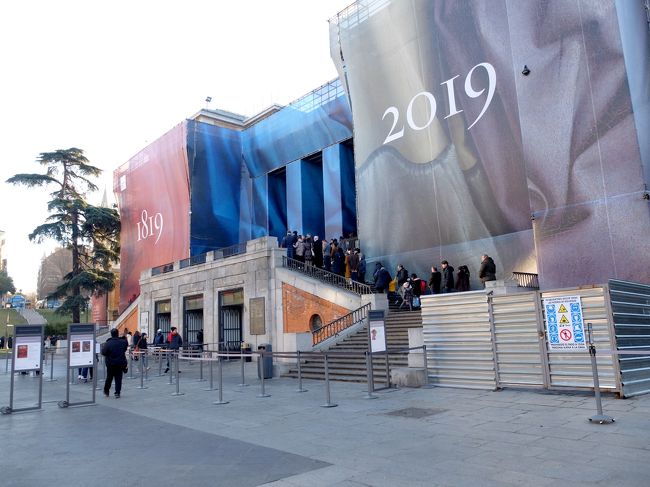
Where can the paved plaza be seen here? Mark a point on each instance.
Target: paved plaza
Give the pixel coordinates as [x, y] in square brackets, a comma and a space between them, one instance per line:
[410, 437]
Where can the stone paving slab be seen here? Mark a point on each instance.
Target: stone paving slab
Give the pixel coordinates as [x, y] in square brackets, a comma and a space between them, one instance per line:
[475, 438]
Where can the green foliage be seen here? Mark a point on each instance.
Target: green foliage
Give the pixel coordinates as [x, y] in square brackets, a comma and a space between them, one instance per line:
[6, 283]
[57, 322]
[92, 233]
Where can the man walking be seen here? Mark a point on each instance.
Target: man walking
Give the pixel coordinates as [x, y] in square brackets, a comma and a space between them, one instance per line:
[114, 351]
[488, 269]
[175, 343]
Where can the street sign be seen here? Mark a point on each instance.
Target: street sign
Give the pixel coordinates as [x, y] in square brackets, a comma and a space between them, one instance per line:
[564, 324]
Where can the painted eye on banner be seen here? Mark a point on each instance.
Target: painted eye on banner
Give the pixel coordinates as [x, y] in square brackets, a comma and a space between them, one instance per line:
[150, 226]
[397, 130]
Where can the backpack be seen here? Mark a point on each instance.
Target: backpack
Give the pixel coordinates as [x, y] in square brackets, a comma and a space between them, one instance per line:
[104, 349]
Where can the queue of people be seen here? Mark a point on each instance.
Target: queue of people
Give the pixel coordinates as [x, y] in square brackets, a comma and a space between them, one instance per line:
[406, 289]
[340, 256]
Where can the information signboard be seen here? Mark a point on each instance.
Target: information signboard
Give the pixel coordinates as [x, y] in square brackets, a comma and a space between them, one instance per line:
[564, 324]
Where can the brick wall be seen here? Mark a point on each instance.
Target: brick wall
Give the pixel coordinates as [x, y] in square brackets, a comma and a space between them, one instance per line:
[299, 306]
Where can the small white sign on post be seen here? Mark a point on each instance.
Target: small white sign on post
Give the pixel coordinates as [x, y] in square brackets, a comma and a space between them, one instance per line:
[377, 331]
[564, 324]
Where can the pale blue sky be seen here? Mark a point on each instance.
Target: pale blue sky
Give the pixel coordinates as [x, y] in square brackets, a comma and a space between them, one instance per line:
[111, 77]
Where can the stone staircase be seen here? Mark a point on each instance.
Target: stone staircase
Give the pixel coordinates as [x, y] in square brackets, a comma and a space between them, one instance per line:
[352, 368]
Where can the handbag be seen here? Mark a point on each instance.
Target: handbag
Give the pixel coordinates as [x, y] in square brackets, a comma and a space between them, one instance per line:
[416, 301]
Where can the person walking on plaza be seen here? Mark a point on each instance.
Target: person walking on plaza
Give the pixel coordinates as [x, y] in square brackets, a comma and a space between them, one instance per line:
[447, 277]
[114, 351]
[488, 269]
[175, 343]
[159, 339]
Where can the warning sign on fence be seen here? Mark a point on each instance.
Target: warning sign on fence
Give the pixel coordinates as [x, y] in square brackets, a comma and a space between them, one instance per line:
[564, 325]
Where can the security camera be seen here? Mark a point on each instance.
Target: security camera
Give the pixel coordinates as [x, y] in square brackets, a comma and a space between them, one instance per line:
[525, 71]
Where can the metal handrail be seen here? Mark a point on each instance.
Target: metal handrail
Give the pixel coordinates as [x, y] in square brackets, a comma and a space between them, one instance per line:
[236, 249]
[338, 325]
[526, 279]
[359, 288]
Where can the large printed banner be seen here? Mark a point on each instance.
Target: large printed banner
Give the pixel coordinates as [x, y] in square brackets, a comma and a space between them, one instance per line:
[499, 127]
[152, 191]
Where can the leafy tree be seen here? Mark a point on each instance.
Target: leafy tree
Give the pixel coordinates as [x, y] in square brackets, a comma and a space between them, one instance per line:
[90, 232]
[6, 283]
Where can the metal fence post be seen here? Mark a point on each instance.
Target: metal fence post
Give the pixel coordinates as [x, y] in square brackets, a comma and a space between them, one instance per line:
[170, 361]
[241, 358]
[178, 377]
[300, 388]
[211, 388]
[51, 379]
[141, 386]
[369, 377]
[387, 371]
[131, 376]
[220, 401]
[328, 403]
[201, 379]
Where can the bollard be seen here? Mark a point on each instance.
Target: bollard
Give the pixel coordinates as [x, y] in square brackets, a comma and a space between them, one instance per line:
[599, 418]
[51, 379]
[300, 388]
[141, 386]
[328, 403]
[241, 358]
[178, 377]
[220, 401]
[369, 377]
[262, 391]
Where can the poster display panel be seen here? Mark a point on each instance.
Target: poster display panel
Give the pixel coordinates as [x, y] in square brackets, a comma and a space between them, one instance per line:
[28, 350]
[81, 343]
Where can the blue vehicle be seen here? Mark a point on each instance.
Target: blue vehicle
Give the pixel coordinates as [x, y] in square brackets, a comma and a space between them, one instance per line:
[17, 301]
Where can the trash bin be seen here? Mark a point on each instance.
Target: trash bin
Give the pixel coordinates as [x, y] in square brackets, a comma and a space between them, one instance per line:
[265, 363]
[246, 350]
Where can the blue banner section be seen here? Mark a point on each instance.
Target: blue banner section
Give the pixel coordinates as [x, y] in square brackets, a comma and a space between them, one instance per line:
[332, 191]
[260, 210]
[348, 190]
[317, 120]
[277, 203]
[294, 196]
[313, 214]
[214, 158]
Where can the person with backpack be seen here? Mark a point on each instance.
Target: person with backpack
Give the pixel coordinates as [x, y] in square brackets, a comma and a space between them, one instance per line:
[175, 343]
[114, 350]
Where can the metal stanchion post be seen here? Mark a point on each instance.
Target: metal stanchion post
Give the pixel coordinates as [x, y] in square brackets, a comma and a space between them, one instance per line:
[170, 360]
[328, 403]
[178, 377]
[131, 376]
[220, 401]
[369, 377]
[599, 418]
[241, 358]
[387, 371]
[160, 361]
[300, 389]
[7, 361]
[51, 379]
[261, 371]
[211, 388]
[141, 386]
[201, 379]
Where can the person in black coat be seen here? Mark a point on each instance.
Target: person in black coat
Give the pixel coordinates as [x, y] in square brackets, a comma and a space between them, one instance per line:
[447, 277]
[435, 280]
[318, 252]
[114, 351]
[382, 278]
[488, 269]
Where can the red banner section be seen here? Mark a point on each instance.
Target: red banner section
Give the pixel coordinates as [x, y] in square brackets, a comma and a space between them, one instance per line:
[152, 191]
